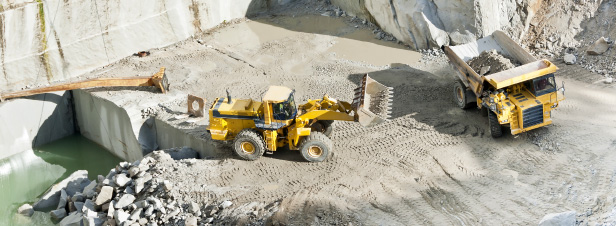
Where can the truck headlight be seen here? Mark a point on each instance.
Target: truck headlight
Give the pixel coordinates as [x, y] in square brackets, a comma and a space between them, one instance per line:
[555, 105]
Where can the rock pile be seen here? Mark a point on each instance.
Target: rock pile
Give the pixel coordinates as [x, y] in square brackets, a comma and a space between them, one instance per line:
[490, 62]
[131, 194]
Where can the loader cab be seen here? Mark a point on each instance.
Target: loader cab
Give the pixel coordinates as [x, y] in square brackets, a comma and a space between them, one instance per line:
[282, 102]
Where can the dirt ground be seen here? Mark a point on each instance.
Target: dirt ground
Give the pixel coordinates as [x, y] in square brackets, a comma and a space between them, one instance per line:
[432, 164]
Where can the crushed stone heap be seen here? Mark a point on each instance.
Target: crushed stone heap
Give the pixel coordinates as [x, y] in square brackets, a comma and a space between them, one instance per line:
[490, 62]
[136, 194]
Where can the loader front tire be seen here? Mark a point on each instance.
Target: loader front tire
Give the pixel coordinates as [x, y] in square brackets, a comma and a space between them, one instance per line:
[496, 130]
[462, 95]
[315, 147]
[325, 126]
[249, 145]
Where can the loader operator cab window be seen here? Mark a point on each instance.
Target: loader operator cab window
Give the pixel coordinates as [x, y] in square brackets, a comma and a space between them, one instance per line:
[285, 110]
[542, 85]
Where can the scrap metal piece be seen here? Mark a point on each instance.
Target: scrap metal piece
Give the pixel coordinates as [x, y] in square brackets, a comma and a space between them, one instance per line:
[160, 80]
[200, 102]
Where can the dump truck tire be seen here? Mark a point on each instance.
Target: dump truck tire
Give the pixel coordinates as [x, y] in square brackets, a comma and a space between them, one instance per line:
[496, 130]
[325, 126]
[315, 147]
[462, 96]
[249, 145]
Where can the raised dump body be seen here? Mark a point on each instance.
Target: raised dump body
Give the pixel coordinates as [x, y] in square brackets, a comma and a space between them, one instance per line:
[521, 97]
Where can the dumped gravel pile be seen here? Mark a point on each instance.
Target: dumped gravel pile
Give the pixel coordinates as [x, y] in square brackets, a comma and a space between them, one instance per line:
[490, 62]
[134, 193]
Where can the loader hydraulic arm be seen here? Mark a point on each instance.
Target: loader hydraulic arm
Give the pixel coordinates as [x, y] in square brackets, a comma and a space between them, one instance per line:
[159, 80]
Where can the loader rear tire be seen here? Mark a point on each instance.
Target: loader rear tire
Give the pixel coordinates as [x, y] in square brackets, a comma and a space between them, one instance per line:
[325, 126]
[249, 145]
[496, 130]
[315, 147]
[462, 96]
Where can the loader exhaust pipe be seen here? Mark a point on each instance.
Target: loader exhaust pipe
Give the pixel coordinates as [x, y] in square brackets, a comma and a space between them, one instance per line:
[372, 102]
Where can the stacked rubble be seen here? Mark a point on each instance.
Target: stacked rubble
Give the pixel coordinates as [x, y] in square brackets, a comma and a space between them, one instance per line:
[131, 194]
[490, 62]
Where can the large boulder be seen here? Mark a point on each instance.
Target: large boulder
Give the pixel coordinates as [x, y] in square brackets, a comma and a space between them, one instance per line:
[599, 47]
[559, 219]
[73, 219]
[104, 196]
[74, 183]
[58, 214]
[120, 216]
[26, 210]
[124, 201]
[121, 179]
[90, 189]
[569, 59]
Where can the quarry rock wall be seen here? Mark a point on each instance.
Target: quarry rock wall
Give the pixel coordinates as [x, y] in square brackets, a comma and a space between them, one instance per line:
[431, 23]
[53, 40]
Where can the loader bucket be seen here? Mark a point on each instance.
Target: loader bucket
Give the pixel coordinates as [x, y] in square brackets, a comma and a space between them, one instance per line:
[372, 102]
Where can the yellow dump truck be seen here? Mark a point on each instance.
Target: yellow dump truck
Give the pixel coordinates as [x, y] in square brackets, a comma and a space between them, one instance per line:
[256, 127]
[520, 98]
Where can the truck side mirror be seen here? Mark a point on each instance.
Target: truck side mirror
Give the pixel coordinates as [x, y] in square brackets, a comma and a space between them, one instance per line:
[562, 88]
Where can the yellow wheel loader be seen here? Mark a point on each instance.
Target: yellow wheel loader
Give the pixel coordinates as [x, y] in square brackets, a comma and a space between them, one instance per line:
[520, 98]
[258, 127]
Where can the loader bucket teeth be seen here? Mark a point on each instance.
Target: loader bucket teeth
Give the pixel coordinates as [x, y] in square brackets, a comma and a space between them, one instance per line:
[372, 102]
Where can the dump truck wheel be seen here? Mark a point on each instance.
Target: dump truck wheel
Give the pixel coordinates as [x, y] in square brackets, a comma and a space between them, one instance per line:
[325, 127]
[315, 147]
[461, 95]
[496, 130]
[249, 145]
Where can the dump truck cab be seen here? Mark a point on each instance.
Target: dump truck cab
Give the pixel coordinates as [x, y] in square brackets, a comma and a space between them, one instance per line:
[522, 99]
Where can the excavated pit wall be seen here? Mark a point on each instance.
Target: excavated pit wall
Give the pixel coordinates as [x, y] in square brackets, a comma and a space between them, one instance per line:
[125, 133]
[42, 42]
[54, 40]
[34, 121]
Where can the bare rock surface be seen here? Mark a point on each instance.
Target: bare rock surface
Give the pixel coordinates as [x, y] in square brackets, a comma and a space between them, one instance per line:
[559, 219]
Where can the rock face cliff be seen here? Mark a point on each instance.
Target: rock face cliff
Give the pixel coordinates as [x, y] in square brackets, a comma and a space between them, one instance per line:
[432, 23]
[46, 41]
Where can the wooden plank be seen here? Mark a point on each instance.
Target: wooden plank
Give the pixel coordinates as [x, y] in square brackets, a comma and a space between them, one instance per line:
[157, 80]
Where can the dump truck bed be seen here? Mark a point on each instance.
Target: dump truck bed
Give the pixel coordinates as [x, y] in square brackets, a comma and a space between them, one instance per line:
[499, 41]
